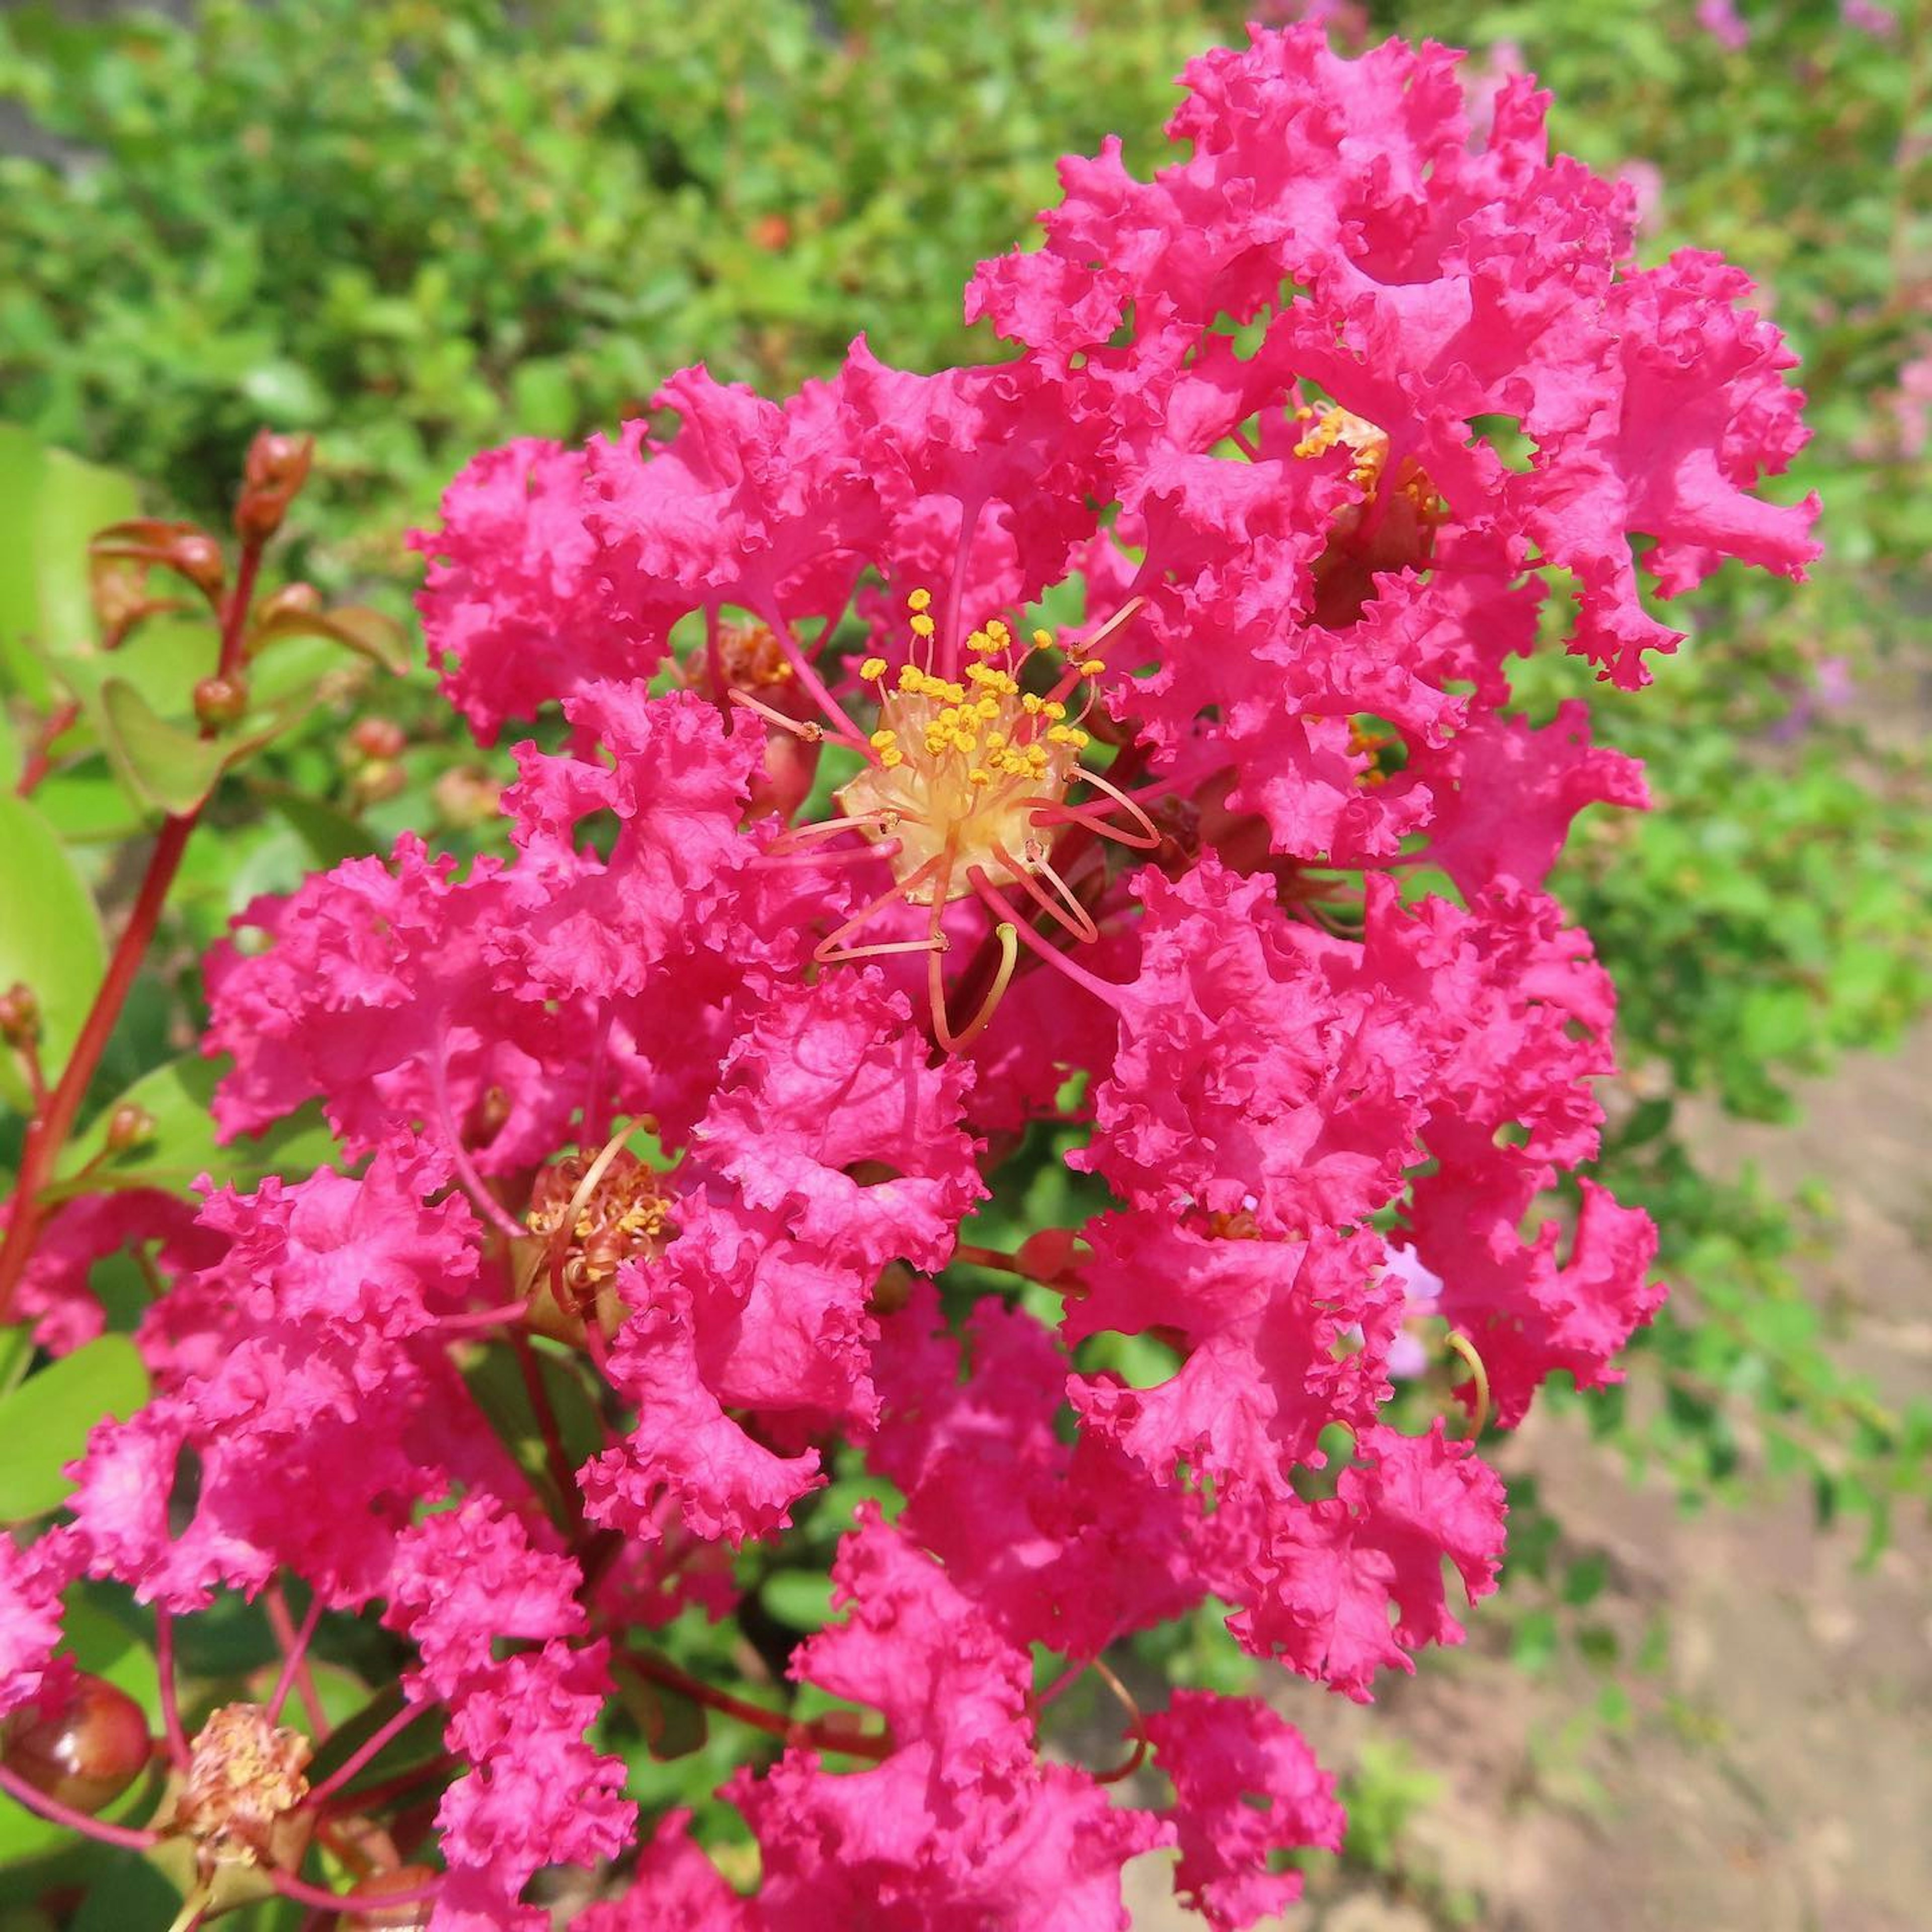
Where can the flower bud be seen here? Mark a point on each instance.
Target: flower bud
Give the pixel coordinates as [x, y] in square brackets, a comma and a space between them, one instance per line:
[129, 1127]
[1047, 1254]
[198, 557]
[276, 469]
[20, 1015]
[375, 782]
[85, 1749]
[377, 738]
[467, 795]
[220, 702]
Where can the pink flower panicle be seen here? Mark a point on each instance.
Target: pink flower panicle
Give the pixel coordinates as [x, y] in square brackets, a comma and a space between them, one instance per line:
[1115, 738]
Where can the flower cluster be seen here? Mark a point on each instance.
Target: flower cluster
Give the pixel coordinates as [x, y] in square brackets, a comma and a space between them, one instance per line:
[1111, 742]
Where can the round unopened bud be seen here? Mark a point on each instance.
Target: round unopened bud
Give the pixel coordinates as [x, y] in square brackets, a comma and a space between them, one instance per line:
[377, 738]
[198, 557]
[20, 1015]
[128, 1127]
[84, 1751]
[293, 600]
[364, 1910]
[382, 779]
[220, 702]
[275, 460]
[467, 795]
[1048, 1254]
[276, 468]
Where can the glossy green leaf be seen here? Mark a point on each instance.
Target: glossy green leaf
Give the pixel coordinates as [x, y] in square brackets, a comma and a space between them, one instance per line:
[177, 1096]
[44, 1422]
[369, 634]
[801, 1599]
[50, 504]
[49, 938]
[16, 1351]
[163, 765]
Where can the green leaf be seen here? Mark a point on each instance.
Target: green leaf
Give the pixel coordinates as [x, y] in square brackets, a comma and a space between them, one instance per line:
[800, 1599]
[497, 1382]
[330, 834]
[44, 1423]
[178, 1096]
[50, 504]
[369, 634]
[16, 1351]
[49, 938]
[673, 1725]
[163, 765]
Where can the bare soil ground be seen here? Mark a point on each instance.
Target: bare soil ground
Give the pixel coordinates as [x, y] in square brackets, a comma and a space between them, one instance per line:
[1775, 1774]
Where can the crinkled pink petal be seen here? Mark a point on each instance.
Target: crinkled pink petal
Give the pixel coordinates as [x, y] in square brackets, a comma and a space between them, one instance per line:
[1246, 1784]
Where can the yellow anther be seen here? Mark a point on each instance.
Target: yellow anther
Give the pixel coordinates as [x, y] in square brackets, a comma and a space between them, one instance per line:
[997, 632]
[911, 678]
[977, 776]
[988, 706]
[881, 738]
[996, 741]
[923, 626]
[891, 758]
[1092, 667]
[979, 641]
[920, 599]
[1043, 640]
[1054, 708]
[871, 668]
[1033, 704]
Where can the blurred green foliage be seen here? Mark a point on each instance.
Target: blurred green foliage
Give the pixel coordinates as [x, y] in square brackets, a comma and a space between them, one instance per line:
[423, 226]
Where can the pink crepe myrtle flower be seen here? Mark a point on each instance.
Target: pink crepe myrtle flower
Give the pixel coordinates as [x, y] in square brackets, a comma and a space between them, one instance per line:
[1114, 741]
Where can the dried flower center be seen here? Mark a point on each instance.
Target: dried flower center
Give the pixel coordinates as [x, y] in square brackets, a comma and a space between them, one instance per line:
[964, 765]
[749, 657]
[625, 1215]
[245, 1775]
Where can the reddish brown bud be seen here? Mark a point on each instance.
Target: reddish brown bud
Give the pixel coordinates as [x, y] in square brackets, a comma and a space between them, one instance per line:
[220, 702]
[20, 1015]
[1047, 1254]
[85, 1750]
[198, 557]
[377, 738]
[276, 469]
[129, 1127]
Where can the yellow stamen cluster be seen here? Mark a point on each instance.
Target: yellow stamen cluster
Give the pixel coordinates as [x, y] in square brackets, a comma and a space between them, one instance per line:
[1327, 424]
[749, 656]
[963, 763]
